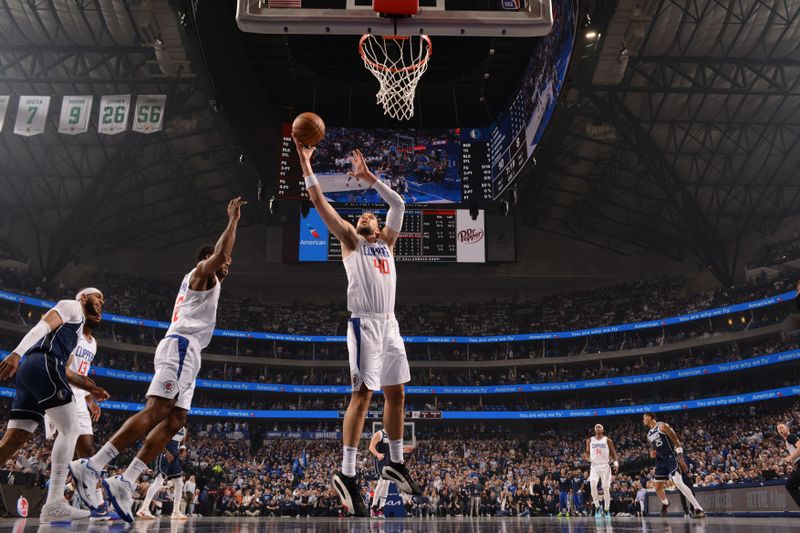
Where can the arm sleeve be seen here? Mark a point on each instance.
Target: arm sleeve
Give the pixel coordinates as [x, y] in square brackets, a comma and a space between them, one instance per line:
[33, 337]
[394, 218]
[69, 311]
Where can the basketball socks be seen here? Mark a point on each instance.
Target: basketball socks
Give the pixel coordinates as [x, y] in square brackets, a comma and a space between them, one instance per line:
[665, 501]
[105, 455]
[607, 498]
[686, 491]
[349, 461]
[396, 450]
[177, 495]
[155, 486]
[63, 450]
[134, 470]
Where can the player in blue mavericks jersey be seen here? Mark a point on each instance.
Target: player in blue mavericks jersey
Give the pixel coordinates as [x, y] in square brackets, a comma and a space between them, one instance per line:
[43, 386]
[168, 468]
[668, 453]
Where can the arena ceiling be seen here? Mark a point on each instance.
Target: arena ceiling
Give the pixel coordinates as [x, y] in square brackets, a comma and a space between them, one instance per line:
[68, 192]
[679, 131]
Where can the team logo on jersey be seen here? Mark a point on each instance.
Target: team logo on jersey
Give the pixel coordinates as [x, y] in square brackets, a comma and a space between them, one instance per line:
[169, 385]
[22, 506]
[62, 394]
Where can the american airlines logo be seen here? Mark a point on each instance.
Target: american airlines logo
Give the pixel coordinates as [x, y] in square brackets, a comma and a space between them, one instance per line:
[312, 243]
[470, 235]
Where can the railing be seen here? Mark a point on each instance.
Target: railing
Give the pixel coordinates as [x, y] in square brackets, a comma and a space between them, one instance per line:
[668, 375]
[525, 337]
[246, 414]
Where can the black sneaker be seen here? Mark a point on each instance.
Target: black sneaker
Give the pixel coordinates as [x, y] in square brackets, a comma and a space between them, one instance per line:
[664, 508]
[349, 492]
[699, 513]
[398, 473]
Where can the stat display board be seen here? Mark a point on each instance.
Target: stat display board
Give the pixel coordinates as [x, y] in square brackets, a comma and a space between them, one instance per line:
[424, 166]
[428, 235]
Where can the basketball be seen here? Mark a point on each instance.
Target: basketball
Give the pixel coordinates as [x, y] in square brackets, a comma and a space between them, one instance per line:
[308, 128]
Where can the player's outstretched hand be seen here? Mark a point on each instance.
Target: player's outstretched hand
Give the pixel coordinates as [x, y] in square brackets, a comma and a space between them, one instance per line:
[235, 208]
[8, 366]
[361, 169]
[305, 152]
[99, 393]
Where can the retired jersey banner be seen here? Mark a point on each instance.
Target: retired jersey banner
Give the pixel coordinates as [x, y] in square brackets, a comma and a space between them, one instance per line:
[31, 115]
[3, 108]
[149, 114]
[75, 111]
[114, 114]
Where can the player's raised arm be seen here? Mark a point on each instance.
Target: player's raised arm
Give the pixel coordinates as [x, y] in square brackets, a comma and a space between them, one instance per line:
[224, 247]
[397, 206]
[343, 230]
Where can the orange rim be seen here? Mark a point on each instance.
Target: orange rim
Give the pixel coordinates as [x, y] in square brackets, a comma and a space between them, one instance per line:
[378, 66]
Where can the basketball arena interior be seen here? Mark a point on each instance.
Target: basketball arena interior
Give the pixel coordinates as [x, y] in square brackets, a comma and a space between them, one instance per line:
[440, 265]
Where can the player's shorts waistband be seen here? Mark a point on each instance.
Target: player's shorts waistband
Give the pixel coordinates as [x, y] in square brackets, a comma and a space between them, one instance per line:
[384, 316]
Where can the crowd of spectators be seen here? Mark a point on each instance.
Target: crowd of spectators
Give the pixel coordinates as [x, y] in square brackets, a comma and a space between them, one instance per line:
[631, 302]
[236, 471]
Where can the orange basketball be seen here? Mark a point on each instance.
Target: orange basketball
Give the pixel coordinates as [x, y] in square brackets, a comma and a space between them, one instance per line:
[308, 128]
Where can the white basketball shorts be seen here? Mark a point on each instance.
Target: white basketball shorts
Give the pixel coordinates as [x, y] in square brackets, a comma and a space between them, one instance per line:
[84, 418]
[601, 473]
[177, 363]
[377, 352]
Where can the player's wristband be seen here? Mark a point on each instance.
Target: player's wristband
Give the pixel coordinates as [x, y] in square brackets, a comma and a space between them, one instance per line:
[311, 181]
[679, 450]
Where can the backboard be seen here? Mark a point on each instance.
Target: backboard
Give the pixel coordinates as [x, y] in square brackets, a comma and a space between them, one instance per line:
[469, 18]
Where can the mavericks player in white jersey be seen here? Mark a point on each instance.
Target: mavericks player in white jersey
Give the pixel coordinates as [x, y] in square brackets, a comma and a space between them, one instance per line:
[601, 452]
[377, 353]
[177, 363]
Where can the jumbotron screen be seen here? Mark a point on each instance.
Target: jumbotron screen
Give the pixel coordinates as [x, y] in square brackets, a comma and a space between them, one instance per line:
[424, 166]
[428, 235]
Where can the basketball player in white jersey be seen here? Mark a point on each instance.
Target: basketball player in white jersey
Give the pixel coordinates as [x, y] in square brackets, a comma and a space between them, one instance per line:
[601, 452]
[377, 353]
[177, 363]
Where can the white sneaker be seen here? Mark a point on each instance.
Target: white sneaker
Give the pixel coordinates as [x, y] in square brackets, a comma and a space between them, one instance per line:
[61, 511]
[86, 479]
[120, 493]
[146, 514]
[179, 516]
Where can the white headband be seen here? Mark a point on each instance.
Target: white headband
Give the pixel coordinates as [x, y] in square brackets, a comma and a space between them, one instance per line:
[86, 292]
[598, 426]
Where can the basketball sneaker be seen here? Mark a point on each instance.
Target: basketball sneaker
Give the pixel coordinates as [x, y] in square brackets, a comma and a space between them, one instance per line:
[349, 492]
[398, 473]
[699, 513]
[145, 514]
[177, 515]
[86, 480]
[61, 511]
[100, 514]
[120, 493]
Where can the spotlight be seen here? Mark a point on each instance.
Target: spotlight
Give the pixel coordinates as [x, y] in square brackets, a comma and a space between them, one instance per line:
[241, 159]
[273, 205]
[591, 34]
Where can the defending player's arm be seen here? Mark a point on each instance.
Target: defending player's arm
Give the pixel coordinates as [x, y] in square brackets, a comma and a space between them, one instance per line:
[612, 453]
[343, 230]
[676, 444]
[51, 321]
[222, 250]
[87, 384]
[397, 207]
[373, 443]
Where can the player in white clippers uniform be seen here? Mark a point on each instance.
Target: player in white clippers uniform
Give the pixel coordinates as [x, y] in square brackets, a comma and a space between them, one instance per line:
[601, 452]
[377, 353]
[40, 363]
[177, 363]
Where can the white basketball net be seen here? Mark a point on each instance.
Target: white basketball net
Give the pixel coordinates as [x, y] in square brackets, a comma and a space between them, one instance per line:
[397, 63]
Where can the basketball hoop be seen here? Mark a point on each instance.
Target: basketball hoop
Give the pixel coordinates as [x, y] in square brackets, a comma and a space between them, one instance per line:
[398, 63]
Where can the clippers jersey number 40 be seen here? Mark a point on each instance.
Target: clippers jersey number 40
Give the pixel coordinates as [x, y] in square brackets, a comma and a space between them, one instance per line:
[382, 265]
